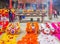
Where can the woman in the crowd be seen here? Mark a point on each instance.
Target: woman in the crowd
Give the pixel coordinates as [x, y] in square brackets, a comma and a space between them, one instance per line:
[10, 16]
[55, 14]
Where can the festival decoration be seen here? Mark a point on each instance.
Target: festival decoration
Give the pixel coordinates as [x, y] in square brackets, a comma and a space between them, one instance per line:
[13, 28]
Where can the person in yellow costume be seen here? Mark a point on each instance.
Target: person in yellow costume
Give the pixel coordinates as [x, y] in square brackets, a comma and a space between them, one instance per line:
[8, 39]
[0, 41]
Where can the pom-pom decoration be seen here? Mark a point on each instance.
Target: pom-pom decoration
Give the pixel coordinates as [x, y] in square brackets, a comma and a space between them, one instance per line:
[13, 28]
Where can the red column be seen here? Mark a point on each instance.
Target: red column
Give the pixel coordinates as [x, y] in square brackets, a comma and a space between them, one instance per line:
[50, 10]
[50, 7]
[10, 4]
